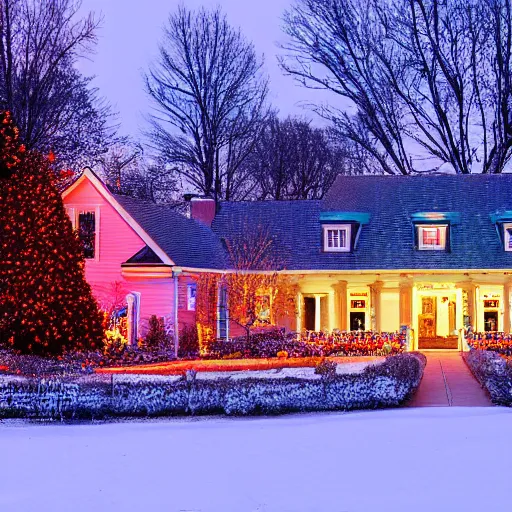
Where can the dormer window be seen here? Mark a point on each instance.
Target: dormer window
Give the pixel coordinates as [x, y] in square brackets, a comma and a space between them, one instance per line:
[337, 237]
[341, 230]
[432, 237]
[507, 231]
[502, 221]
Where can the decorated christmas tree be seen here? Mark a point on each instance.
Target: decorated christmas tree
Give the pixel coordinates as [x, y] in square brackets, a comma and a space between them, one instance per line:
[46, 305]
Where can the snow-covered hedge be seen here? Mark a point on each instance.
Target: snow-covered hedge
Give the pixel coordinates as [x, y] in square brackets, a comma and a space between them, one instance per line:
[494, 373]
[381, 385]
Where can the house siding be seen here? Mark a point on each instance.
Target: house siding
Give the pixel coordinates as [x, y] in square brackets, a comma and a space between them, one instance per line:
[117, 243]
[157, 298]
[185, 317]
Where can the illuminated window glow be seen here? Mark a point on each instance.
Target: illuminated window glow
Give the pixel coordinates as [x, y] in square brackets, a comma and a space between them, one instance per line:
[86, 223]
[508, 236]
[87, 233]
[191, 296]
[432, 237]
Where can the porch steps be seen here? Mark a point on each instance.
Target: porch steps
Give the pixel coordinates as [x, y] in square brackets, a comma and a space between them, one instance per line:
[447, 381]
[439, 342]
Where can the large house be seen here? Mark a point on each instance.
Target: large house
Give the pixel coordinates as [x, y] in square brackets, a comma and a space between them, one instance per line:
[433, 253]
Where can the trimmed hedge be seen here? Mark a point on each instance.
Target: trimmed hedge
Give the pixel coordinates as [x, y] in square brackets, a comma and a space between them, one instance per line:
[387, 384]
[493, 372]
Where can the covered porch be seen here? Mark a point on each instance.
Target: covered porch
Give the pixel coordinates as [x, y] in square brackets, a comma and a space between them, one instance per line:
[436, 307]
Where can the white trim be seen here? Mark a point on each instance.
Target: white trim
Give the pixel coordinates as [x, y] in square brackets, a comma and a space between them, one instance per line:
[133, 303]
[429, 247]
[506, 236]
[219, 292]
[337, 227]
[341, 271]
[155, 271]
[105, 193]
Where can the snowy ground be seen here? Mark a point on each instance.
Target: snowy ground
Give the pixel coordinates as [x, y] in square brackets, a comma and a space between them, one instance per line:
[281, 373]
[429, 459]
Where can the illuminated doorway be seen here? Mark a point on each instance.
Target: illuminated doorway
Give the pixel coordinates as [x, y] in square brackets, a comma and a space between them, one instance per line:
[437, 319]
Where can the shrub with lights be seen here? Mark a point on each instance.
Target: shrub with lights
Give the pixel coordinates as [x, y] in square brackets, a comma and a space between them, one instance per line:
[499, 342]
[46, 305]
[270, 343]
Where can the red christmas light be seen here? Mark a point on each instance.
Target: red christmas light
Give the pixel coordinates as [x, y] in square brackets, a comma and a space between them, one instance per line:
[46, 304]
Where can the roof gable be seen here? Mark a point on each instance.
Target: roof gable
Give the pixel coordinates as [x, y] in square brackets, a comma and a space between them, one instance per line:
[90, 176]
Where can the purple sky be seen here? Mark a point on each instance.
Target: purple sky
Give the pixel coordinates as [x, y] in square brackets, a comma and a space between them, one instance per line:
[129, 37]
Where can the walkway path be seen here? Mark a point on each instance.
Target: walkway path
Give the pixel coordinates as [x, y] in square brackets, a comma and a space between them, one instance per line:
[447, 381]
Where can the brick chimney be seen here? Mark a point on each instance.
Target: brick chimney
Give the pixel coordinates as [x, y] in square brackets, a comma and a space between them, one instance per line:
[202, 209]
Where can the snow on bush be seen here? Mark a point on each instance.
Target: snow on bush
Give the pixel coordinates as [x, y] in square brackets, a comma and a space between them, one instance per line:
[382, 385]
[494, 373]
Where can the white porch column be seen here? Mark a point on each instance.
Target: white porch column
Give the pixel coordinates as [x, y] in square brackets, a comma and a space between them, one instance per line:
[133, 317]
[340, 304]
[300, 305]
[506, 305]
[318, 313]
[415, 312]
[375, 299]
[459, 316]
[405, 287]
[332, 312]
[468, 308]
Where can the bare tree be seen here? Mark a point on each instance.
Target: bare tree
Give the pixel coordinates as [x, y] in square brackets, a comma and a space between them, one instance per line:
[210, 99]
[331, 47]
[258, 293]
[493, 85]
[430, 79]
[348, 157]
[54, 106]
[294, 160]
[127, 170]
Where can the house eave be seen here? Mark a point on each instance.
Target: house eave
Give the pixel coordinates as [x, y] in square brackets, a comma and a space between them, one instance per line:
[146, 270]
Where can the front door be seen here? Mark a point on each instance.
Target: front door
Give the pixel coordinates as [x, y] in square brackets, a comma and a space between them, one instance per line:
[357, 320]
[490, 321]
[309, 313]
[428, 335]
[427, 318]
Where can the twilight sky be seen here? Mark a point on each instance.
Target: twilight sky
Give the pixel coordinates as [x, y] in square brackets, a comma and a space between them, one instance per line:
[132, 29]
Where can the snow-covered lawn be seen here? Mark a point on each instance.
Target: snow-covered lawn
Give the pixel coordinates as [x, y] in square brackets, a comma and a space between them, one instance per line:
[429, 459]
[281, 373]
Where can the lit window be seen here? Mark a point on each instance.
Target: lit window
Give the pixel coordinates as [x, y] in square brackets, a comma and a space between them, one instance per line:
[337, 238]
[508, 236]
[191, 297]
[87, 233]
[85, 222]
[432, 238]
[222, 314]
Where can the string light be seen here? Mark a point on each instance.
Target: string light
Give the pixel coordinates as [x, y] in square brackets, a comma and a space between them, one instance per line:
[46, 305]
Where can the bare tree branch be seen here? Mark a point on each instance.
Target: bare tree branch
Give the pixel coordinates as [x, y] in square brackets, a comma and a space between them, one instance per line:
[54, 106]
[210, 99]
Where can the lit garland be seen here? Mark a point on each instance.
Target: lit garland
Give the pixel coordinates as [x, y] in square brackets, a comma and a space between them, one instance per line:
[206, 309]
[500, 342]
[46, 305]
